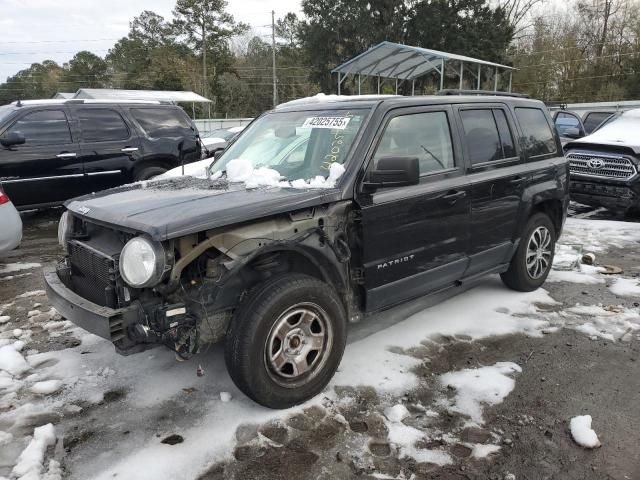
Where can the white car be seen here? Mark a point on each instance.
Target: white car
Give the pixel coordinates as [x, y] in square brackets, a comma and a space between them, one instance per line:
[11, 224]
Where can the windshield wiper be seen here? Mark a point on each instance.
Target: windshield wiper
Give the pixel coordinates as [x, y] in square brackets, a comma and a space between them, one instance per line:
[434, 157]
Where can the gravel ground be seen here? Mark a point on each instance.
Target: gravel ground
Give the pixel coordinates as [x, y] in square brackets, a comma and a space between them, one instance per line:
[564, 374]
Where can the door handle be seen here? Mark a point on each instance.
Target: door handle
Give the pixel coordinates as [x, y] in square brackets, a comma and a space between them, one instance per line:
[66, 155]
[129, 149]
[516, 180]
[453, 196]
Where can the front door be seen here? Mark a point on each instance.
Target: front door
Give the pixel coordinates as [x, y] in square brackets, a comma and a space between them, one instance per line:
[497, 176]
[46, 168]
[108, 146]
[415, 238]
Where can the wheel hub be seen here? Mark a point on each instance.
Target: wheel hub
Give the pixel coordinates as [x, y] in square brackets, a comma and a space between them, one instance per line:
[298, 345]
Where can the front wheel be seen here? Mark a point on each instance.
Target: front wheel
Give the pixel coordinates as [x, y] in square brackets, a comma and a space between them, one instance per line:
[532, 261]
[286, 340]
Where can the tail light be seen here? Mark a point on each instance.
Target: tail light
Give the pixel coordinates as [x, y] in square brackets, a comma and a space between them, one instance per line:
[3, 197]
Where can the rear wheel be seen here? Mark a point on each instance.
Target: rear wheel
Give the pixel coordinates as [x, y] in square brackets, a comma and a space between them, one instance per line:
[148, 172]
[286, 340]
[532, 261]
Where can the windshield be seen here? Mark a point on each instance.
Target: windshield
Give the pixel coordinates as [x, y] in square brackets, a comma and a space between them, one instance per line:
[303, 148]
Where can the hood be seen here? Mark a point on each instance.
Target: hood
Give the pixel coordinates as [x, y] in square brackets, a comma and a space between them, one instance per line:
[622, 133]
[175, 207]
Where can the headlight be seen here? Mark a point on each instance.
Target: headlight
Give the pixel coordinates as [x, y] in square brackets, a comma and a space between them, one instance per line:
[65, 228]
[142, 262]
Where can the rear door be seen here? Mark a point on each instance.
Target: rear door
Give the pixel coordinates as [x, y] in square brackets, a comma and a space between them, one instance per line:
[592, 120]
[497, 178]
[46, 168]
[108, 146]
[415, 238]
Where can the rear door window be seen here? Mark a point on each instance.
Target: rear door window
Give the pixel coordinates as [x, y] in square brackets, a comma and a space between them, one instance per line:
[593, 119]
[538, 138]
[102, 125]
[488, 135]
[161, 122]
[45, 127]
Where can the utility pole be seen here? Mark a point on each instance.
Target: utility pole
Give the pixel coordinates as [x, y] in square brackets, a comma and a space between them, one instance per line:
[273, 54]
[204, 61]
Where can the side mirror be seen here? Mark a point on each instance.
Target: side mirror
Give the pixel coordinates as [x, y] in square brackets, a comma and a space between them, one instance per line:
[12, 138]
[394, 172]
[217, 154]
[572, 132]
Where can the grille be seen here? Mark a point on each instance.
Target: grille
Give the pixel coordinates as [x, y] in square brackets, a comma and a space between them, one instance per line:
[599, 165]
[92, 274]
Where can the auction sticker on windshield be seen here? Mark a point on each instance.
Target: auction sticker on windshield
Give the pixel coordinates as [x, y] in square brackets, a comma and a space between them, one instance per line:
[334, 123]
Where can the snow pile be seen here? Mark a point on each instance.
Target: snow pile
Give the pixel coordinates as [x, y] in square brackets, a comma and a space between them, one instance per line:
[625, 287]
[480, 450]
[16, 267]
[225, 397]
[582, 432]
[46, 387]
[477, 386]
[4, 319]
[321, 98]
[197, 169]
[405, 438]
[597, 321]
[397, 413]
[598, 235]
[585, 274]
[242, 171]
[29, 464]
[12, 361]
[34, 293]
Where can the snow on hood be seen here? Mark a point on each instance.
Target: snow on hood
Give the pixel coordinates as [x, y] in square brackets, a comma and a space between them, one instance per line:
[196, 169]
[623, 131]
[242, 171]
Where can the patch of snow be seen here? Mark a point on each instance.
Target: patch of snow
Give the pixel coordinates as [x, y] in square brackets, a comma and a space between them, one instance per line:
[397, 413]
[34, 293]
[16, 267]
[404, 438]
[480, 450]
[4, 319]
[625, 287]
[476, 386]
[5, 438]
[598, 235]
[17, 332]
[46, 387]
[237, 129]
[11, 277]
[30, 461]
[585, 274]
[582, 432]
[197, 169]
[12, 361]
[225, 397]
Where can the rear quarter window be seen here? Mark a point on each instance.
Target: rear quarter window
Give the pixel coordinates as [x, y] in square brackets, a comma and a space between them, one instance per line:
[161, 122]
[537, 137]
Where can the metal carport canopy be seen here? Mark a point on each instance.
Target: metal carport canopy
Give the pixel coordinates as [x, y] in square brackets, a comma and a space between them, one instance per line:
[406, 62]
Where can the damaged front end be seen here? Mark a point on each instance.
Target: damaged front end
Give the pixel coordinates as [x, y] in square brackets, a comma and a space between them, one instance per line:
[181, 293]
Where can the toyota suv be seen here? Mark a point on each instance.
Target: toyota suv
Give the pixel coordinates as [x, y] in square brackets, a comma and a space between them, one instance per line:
[604, 165]
[376, 201]
[53, 150]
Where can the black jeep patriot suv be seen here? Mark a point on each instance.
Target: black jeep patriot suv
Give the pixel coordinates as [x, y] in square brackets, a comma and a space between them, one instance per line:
[318, 214]
[53, 150]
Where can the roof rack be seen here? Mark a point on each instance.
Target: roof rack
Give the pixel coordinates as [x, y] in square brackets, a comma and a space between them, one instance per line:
[455, 91]
[64, 101]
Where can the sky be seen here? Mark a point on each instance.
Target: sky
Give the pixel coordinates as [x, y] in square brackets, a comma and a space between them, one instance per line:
[35, 30]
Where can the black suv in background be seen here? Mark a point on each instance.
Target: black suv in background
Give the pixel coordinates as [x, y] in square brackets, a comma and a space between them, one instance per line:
[53, 150]
[318, 214]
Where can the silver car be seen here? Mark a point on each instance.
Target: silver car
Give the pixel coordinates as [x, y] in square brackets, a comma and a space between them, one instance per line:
[11, 224]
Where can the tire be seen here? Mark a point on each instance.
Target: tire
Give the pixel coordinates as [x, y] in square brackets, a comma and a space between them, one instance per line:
[277, 317]
[148, 172]
[521, 278]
